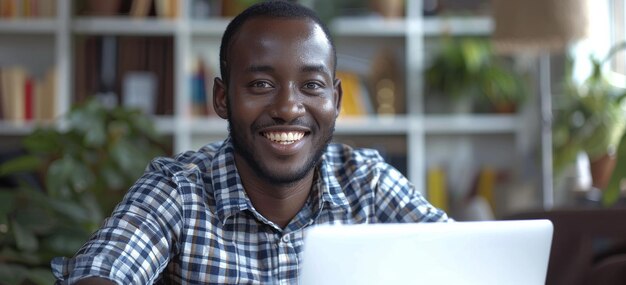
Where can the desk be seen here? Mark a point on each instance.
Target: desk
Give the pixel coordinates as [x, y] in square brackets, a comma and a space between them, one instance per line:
[588, 246]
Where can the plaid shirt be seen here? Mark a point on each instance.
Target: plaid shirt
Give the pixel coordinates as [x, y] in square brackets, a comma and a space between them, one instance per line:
[188, 220]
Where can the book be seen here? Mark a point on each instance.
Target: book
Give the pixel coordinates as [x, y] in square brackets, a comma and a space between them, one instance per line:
[198, 90]
[47, 96]
[158, 59]
[140, 8]
[201, 89]
[13, 83]
[28, 8]
[437, 191]
[2, 98]
[29, 98]
[485, 186]
[46, 8]
[167, 9]
[8, 8]
[131, 57]
[167, 96]
[352, 102]
[39, 106]
[26, 98]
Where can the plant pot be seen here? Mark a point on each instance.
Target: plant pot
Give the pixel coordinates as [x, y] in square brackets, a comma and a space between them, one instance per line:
[504, 108]
[601, 170]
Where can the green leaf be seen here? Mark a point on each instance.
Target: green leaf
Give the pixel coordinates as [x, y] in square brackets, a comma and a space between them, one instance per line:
[7, 202]
[45, 141]
[20, 164]
[35, 219]
[90, 121]
[111, 176]
[41, 276]
[58, 178]
[129, 158]
[94, 212]
[613, 191]
[12, 274]
[25, 239]
[10, 254]
[65, 243]
[70, 209]
[80, 176]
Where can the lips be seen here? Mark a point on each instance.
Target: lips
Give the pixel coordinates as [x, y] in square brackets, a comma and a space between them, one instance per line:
[284, 138]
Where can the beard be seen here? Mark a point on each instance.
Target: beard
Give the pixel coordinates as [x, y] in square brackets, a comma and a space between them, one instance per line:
[245, 149]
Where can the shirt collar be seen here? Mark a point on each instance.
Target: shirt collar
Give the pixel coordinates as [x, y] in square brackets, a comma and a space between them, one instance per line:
[329, 187]
[231, 198]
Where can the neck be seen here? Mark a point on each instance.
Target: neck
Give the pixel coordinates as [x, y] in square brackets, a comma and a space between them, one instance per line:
[278, 203]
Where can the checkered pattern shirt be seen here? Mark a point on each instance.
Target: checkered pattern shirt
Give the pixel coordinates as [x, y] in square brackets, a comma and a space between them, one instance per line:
[188, 220]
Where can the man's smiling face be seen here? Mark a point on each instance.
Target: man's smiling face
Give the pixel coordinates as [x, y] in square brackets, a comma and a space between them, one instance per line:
[282, 99]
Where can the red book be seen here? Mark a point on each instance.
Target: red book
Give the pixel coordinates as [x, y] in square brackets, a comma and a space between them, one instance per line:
[28, 99]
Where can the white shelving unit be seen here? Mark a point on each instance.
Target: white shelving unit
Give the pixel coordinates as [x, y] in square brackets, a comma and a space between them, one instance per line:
[123, 26]
[202, 36]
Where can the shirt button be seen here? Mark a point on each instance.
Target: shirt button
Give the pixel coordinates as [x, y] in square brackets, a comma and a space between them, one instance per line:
[285, 238]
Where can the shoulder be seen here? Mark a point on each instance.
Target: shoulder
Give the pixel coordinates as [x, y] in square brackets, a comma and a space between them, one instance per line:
[341, 155]
[364, 167]
[190, 160]
[349, 165]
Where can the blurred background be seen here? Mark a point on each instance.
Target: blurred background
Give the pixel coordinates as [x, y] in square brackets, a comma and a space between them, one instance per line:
[491, 108]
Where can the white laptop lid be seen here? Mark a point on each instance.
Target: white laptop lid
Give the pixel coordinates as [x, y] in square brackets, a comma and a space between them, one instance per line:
[494, 252]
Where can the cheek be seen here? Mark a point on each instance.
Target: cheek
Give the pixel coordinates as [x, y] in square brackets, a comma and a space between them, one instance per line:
[325, 109]
[248, 107]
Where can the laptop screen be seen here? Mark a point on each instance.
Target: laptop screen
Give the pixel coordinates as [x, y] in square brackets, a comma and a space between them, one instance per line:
[493, 252]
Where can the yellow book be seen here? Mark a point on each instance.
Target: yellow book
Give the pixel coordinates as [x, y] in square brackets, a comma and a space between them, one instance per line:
[352, 104]
[486, 186]
[46, 96]
[437, 188]
[13, 80]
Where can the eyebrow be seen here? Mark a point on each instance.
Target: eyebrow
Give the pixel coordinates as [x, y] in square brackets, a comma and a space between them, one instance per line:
[259, 68]
[314, 68]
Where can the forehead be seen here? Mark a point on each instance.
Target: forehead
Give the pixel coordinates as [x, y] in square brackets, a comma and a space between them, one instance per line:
[264, 37]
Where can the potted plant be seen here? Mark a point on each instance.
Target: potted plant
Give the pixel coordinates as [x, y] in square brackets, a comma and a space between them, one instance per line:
[85, 170]
[590, 117]
[502, 90]
[466, 71]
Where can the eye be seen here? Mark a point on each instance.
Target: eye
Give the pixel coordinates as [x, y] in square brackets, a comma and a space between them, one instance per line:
[313, 85]
[260, 84]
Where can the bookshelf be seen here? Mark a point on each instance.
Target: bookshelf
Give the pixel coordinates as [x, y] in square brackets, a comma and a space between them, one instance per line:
[419, 140]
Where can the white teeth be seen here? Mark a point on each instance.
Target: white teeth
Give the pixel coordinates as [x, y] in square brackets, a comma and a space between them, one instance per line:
[284, 137]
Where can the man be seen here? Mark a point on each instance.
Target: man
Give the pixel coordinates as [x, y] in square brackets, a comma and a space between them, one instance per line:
[235, 211]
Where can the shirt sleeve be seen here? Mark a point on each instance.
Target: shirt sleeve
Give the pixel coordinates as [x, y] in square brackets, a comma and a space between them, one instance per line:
[135, 244]
[397, 200]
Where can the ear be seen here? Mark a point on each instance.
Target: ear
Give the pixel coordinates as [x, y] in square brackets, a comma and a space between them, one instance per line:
[220, 102]
[338, 94]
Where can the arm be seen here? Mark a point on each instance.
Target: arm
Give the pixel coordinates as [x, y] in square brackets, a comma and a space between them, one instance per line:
[399, 202]
[136, 242]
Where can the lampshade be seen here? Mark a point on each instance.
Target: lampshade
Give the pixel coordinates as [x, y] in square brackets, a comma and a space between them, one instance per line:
[538, 25]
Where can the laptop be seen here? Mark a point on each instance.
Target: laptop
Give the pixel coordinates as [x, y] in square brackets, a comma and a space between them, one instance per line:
[491, 252]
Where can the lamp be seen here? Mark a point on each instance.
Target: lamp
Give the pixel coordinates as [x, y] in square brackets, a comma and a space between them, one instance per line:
[540, 27]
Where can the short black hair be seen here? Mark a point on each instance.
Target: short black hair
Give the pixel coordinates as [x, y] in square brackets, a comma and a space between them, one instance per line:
[279, 9]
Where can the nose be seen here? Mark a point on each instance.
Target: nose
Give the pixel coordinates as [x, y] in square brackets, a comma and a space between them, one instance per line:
[287, 105]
